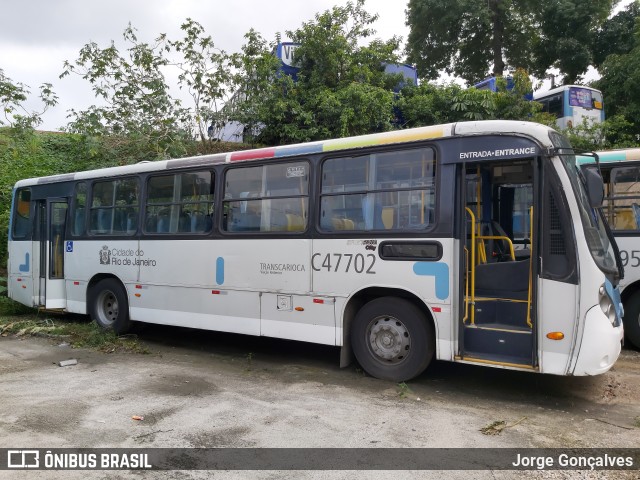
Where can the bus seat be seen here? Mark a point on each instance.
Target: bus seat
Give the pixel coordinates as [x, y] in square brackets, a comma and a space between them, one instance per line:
[119, 221]
[151, 224]
[295, 222]
[387, 216]
[163, 222]
[503, 280]
[196, 222]
[101, 220]
[184, 222]
[342, 223]
[625, 220]
[132, 221]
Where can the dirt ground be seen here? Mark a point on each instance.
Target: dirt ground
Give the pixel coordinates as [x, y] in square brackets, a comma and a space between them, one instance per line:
[205, 389]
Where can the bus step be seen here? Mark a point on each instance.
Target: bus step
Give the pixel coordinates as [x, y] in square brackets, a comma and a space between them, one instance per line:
[499, 340]
[504, 312]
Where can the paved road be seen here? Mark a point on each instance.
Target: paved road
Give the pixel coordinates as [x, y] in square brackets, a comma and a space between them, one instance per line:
[203, 389]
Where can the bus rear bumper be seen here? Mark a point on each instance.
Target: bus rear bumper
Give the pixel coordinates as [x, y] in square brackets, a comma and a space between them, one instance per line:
[601, 344]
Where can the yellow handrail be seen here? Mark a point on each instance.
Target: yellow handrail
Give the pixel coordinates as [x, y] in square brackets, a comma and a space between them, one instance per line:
[531, 228]
[499, 237]
[473, 266]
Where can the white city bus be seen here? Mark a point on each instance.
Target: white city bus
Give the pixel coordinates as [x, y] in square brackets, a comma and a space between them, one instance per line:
[397, 247]
[572, 104]
[621, 173]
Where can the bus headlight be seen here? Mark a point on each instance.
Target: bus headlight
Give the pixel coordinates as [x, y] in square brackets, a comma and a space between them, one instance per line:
[607, 305]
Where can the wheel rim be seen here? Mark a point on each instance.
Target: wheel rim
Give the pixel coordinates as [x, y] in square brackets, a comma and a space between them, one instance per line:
[107, 307]
[388, 339]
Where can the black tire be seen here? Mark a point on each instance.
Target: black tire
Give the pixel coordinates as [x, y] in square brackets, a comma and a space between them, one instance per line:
[631, 319]
[392, 339]
[108, 305]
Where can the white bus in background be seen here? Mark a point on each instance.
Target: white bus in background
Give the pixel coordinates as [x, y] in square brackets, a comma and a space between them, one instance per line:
[621, 173]
[396, 247]
[571, 104]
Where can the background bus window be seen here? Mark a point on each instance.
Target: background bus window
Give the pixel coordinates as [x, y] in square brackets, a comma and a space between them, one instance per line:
[179, 203]
[78, 216]
[387, 191]
[267, 198]
[553, 105]
[622, 198]
[114, 207]
[22, 215]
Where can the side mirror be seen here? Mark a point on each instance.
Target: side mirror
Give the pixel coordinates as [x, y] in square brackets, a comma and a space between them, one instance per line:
[595, 187]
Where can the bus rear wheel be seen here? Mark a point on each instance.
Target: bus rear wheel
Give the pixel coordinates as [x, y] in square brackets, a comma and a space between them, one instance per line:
[392, 339]
[108, 305]
[632, 319]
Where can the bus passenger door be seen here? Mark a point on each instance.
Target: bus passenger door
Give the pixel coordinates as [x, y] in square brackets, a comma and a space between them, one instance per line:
[52, 222]
[499, 323]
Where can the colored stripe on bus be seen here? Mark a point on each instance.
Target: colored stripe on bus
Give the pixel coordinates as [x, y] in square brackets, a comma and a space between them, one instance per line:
[383, 138]
[253, 154]
[299, 150]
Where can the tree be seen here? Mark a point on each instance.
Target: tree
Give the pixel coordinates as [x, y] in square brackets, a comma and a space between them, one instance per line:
[341, 87]
[429, 104]
[567, 32]
[207, 74]
[136, 97]
[620, 85]
[469, 38]
[12, 98]
[616, 36]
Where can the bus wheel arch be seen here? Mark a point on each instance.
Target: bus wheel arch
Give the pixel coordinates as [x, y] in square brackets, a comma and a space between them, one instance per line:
[631, 320]
[108, 303]
[376, 317]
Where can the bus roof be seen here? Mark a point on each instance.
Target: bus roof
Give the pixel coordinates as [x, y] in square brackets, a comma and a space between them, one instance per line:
[485, 127]
[562, 88]
[612, 156]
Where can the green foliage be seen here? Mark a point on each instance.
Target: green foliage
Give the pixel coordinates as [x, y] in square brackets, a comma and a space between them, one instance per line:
[428, 104]
[615, 132]
[568, 29]
[133, 87]
[73, 329]
[12, 98]
[466, 37]
[616, 35]
[341, 88]
[25, 153]
[207, 74]
[620, 81]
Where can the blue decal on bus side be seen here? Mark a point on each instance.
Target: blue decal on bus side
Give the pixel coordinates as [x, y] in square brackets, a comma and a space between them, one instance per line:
[440, 271]
[24, 268]
[220, 271]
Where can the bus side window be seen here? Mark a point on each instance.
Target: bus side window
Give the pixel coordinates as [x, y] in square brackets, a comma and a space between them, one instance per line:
[622, 198]
[78, 214]
[22, 215]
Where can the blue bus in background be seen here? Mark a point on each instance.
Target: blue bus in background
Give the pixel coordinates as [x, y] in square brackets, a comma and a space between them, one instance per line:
[491, 84]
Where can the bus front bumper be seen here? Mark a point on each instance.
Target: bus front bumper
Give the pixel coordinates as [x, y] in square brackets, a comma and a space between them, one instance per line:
[601, 344]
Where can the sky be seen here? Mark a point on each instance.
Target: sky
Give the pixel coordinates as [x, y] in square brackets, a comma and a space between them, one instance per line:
[37, 36]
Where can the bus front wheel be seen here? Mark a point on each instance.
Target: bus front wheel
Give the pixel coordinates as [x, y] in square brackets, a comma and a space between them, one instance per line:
[632, 319]
[109, 306]
[392, 339]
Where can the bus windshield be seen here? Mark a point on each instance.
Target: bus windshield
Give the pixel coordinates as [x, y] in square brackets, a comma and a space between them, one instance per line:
[596, 233]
